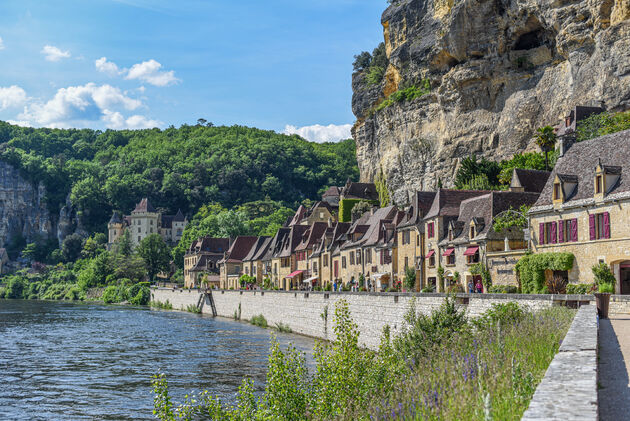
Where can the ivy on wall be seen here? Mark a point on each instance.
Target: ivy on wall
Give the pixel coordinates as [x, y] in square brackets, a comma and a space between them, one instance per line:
[531, 269]
[346, 205]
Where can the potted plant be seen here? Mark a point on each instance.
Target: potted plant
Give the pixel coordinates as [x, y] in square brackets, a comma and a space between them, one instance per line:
[605, 281]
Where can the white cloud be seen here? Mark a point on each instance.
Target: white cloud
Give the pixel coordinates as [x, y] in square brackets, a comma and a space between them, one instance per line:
[53, 53]
[150, 72]
[19, 123]
[86, 106]
[319, 133]
[1, 44]
[104, 66]
[10, 97]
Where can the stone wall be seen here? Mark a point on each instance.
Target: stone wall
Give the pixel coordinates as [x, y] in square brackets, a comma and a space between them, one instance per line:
[304, 312]
[569, 389]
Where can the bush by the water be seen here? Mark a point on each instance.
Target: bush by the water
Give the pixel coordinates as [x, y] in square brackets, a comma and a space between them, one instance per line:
[441, 367]
[138, 294]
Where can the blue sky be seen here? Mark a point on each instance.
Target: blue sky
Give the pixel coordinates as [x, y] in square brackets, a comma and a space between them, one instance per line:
[273, 64]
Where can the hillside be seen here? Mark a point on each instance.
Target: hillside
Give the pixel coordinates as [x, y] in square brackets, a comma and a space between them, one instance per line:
[479, 76]
[176, 168]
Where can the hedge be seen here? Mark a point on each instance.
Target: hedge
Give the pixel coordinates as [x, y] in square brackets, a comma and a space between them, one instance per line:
[346, 205]
[531, 269]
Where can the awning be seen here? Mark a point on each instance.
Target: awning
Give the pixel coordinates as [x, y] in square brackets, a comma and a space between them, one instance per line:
[309, 280]
[294, 274]
[471, 251]
[448, 252]
[430, 253]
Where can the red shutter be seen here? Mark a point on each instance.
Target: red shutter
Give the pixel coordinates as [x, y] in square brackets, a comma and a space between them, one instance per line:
[574, 230]
[606, 225]
[591, 226]
[561, 231]
[541, 234]
[554, 229]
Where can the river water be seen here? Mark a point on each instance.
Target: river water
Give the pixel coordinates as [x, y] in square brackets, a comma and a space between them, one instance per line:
[62, 361]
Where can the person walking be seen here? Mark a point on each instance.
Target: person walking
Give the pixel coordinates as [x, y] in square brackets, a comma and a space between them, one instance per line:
[479, 286]
[335, 286]
[471, 287]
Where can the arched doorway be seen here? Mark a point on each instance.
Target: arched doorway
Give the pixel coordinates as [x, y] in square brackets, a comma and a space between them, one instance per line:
[624, 277]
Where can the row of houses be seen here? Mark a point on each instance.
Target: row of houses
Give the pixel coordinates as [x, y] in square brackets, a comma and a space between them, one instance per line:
[581, 207]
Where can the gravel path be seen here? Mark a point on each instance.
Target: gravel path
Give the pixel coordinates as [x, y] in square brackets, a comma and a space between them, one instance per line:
[614, 366]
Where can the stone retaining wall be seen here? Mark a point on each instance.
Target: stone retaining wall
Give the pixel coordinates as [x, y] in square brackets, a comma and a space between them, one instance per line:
[305, 312]
[569, 389]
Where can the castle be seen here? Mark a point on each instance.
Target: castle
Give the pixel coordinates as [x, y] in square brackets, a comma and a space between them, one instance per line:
[144, 221]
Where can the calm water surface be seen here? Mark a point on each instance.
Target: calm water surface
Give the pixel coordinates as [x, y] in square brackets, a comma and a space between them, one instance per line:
[64, 361]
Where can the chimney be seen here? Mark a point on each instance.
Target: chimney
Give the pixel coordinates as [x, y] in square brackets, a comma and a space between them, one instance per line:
[564, 144]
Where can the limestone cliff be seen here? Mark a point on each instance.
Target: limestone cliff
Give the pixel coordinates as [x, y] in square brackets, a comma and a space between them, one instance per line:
[498, 69]
[23, 209]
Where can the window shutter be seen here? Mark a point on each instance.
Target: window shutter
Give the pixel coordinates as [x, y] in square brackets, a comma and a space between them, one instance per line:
[574, 230]
[554, 229]
[561, 231]
[591, 226]
[606, 225]
[541, 233]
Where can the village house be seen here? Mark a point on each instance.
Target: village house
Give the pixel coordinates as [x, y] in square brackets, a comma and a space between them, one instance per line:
[381, 256]
[471, 239]
[584, 209]
[443, 210]
[271, 269]
[285, 260]
[231, 266]
[303, 252]
[360, 191]
[410, 236]
[253, 263]
[144, 221]
[201, 261]
[329, 246]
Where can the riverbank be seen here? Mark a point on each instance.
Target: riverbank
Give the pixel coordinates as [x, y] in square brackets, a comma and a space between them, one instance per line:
[310, 313]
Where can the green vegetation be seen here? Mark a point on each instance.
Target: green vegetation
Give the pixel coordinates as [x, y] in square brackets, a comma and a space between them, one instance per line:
[374, 65]
[162, 305]
[405, 94]
[602, 124]
[604, 278]
[503, 289]
[484, 272]
[380, 183]
[182, 168]
[511, 218]
[283, 328]
[470, 167]
[527, 160]
[579, 288]
[155, 253]
[546, 141]
[346, 206]
[440, 367]
[191, 308]
[137, 294]
[531, 270]
[259, 321]
[410, 278]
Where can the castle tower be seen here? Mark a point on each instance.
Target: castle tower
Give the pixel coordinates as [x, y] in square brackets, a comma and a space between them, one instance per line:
[114, 228]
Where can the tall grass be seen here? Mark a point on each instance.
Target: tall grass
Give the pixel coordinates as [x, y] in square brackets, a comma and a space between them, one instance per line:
[440, 367]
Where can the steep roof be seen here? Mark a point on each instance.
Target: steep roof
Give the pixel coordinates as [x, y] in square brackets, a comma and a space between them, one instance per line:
[370, 224]
[292, 240]
[529, 180]
[366, 191]
[256, 249]
[312, 235]
[422, 201]
[447, 201]
[578, 165]
[240, 248]
[210, 245]
[116, 218]
[179, 216]
[275, 246]
[298, 216]
[332, 191]
[144, 206]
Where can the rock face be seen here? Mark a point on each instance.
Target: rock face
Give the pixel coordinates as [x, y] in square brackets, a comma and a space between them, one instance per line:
[23, 209]
[498, 69]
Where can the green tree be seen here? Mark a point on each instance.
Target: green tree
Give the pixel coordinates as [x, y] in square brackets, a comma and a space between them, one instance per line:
[546, 141]
[470, 169]
[410, 278]
[71, 247]
[155, 253]
[123, 245]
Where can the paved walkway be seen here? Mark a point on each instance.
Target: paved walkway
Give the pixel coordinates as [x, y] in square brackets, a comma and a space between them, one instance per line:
[614, 366]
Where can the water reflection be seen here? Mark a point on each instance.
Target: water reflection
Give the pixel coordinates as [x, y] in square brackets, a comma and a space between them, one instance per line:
[86, 361]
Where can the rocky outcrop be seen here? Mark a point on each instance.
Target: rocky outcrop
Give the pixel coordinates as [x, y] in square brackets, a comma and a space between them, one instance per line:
[498, 69]
[23, 209]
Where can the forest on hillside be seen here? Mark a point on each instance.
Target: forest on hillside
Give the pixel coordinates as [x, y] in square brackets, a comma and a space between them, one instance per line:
[176, 168]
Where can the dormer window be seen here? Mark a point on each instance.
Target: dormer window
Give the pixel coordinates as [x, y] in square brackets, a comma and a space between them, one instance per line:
[556, 192]
[598, 184]
[472, 231]
[564, 187]
[606, 179]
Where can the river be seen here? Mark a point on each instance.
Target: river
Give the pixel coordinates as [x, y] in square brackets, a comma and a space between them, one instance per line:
[65, 361]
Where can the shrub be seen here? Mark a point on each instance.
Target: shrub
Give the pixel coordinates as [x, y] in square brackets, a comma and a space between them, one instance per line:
[191, 308]
[110, 295]
[531, 269]
[503, 289]
[142, 297]
[283, 328]
[162, 305]
[579, 288]
[72, 294]
[557, 285]
[428, 288]
[410, 277]
[603, 274]
[259, 321]
[606, 287]
[15, 287]
[500, 314]
[328, 287]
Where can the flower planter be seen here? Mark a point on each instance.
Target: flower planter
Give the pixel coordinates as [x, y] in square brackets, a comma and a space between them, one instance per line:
[602, 299]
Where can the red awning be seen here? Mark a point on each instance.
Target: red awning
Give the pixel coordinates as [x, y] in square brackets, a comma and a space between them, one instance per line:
[471, 251]
[430, 253]
[294, 274]
[448, 252]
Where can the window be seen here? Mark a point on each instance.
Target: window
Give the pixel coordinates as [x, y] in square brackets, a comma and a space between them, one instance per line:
[406, 262]
[254, 270]
[358, 257]
[562, 231]
[138, 238]
[151, 230]
[351, 258]
[472, 231]
[599, 226]
[417, 239]
[473, 258]
[556, 191]
[406, 237]
[321, 215]
[138, 230]
[450, 259]
[275, 268]
[343, 262]
[368, 256]
[314, 267]
[432, 261]
[450, 235]
[598, 184]
[325, 263]
[151, 221]
[430, 230]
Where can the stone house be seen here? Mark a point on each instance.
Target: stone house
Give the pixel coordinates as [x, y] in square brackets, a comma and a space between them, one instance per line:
[270, 267]
[471, 239]
[310, 239]
[584, 208]
[443, 210]
[201, 260]
[144, 221]
[331, 196]
[381, 256]
[231, 266]
[410, 236]
[326, 254]
[253, 263]
[285, 260]
[361, 191]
